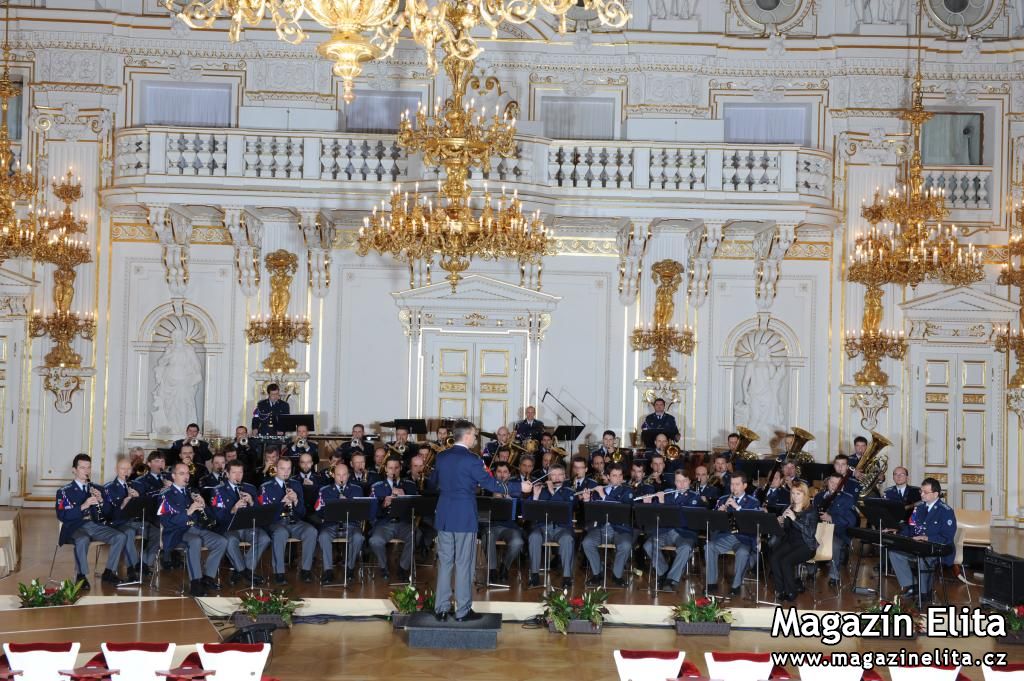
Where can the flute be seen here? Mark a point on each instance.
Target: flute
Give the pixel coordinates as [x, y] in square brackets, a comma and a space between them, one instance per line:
[666, 492]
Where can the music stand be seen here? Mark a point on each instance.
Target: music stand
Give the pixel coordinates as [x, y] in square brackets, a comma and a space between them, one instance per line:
[547, 512]
[814, 471]
[567, 433]
[413, 426]
[490, 509]
[757, 523]
[748, 467]
[713, 521]
[252, 517]
[882, 514]
[603, 514]
[651, 518]
[134, 510]
[289, 423]
[347, 512]
[407, 506]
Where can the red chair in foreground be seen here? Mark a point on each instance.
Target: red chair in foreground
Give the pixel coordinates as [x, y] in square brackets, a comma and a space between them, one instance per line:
[649, 665]
[743, 666]
[932, 673]
[137, 661]
[41, 661]
[1009, 672]
[235, 661]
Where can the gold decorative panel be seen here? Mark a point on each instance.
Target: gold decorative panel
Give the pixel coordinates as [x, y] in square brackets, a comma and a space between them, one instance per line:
[936, 398]
[941, 477]
[936, 373]
[936, 433]
[974, 399]
[454, 362]
[493, 413]
[494, 388]
[494, 363]
[453, 387]
[972, 479]
[451, 407]
[972, 374]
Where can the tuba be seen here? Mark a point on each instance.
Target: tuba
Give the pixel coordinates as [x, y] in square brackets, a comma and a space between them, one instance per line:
[874, 465]
[800, 438]
[746, 437]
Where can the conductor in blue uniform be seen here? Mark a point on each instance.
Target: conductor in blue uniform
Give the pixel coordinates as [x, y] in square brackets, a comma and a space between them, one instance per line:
[457, 475]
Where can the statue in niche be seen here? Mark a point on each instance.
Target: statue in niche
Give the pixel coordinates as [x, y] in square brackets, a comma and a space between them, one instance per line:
[178, 375]
[673, 9]
[1018, 7]
[878, 11]
[761, 398]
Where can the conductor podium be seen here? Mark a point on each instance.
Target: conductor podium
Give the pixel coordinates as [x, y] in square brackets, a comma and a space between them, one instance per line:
[426, 632]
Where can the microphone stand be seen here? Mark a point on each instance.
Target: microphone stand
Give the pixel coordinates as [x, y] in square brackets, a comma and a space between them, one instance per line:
[572, 414]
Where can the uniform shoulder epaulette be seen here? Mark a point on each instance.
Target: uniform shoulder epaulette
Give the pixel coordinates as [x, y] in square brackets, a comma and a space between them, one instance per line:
[70, 485]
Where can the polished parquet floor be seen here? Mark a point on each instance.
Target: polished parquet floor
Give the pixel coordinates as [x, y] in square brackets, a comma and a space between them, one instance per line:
[368, 649]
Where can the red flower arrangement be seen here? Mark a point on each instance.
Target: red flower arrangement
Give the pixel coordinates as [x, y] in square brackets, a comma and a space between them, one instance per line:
[701, 609]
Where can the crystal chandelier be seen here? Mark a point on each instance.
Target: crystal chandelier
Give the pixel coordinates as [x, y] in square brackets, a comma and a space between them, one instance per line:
[457, 138]
[16, 185]
[365, 30]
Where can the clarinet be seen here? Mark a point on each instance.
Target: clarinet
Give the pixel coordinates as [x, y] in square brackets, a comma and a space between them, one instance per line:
[96, 511]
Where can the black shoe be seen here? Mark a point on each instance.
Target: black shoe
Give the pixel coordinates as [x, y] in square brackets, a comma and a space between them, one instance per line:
[503, 574]
[147, 571]
[469, 616]
[84, 581]
[669, 585]
[492, 576]
[385, 575]
[534, 579]
[441, 616]
[279, 578]
[246, 575]
[234, 577]
[800, 588]
[350, 575]
[910, 591]
[566, 582]
[133, 574]
[110, 578]
[327, 577]
[619, 582]
[595, 580]
[306, 576]
[661, 582]
[712, 589]
[833, 582]
[196, 590]
[403, 575]
[211, 584]
[736, 591]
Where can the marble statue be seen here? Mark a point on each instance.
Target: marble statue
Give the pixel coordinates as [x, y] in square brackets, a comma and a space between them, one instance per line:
[760, 403]
[1018, 7]
[673, 9]
[178, 375]
[878, 11]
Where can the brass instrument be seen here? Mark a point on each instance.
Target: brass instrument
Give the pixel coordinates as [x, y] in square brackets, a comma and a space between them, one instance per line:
[618, 455]
[874, 465]
[400, 449]
[381, 468]
[140, 469]
[558, 451]
[515, 449]
[652, 479]
[796, 454]
[746, 437]
[194, 442]
[715, 480]
[439, 447]
[301, 444]
[672, 452]
[242, 442]
[270, 469]
[191, 471]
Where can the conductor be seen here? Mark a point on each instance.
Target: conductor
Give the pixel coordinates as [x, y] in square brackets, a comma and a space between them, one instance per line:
[457, 475]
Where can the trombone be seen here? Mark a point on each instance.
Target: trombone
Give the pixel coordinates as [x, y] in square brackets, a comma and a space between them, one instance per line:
[400, 449]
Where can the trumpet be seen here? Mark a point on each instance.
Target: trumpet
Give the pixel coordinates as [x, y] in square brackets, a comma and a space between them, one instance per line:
[269, 469]
[194, 442]
[191, 471]
[301, 444]
[400, 449]
[242, 442]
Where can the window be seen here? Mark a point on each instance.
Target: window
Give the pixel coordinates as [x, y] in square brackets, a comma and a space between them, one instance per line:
[378, 112]
[202, 105]
[953, 139]
[578, 118]
[14, 112]
[767, 123]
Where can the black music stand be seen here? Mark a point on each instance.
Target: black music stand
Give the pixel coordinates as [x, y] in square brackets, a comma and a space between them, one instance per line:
[651, 518]
[547, 512]
[749, 468]
[406, 507]
[813, 472]
[135, 509]
[758, 523]
[567, 433]
[881, 514]
[291, 422]
[713, 521]
[603, 514]
[489, 510]
[251, 517]
[413, 426]
[347, 512]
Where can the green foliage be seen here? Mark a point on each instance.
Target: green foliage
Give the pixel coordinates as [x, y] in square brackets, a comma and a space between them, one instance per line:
[409, 599]
[36, 595]
[703, 609]
[255, 603]
[560, 609]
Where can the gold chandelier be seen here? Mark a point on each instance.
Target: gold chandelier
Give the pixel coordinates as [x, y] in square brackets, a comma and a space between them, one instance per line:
[662, 336]
[17, 186]
[365, 30]
[456, 138]
[1006, 339]
[278, 328]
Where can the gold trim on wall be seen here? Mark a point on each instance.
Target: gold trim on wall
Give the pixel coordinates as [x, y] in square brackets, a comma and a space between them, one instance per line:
[500, 388]
[974, 399]
[941, 477]
[453, 387]
[972, 479]
[936, 398]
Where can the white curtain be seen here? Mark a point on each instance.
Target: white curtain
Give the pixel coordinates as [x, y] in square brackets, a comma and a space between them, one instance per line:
[578, 118]
[767, 123]
[206, 105]
[378, 112]
[952, 139]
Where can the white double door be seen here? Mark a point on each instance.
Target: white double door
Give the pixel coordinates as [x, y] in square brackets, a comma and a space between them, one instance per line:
[479, 377]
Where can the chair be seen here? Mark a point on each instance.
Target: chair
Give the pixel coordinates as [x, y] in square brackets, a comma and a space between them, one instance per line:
[958, 559]
[137, 661]
[931, 673]
[234, 661]
[649, 665]
[831, 673]
[1010, 672]
[41, 661]
[56, 548]
[741, 666]
[824, 535]
[977, 527]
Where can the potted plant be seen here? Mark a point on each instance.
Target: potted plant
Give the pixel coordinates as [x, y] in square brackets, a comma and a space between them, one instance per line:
[1014, 626]
[703, 616]
[36, 595]
[897, 606]
[577, 614]
[266, 607]
[409, 600]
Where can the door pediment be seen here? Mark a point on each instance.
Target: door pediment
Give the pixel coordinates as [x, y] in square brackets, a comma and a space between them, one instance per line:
[962, 315]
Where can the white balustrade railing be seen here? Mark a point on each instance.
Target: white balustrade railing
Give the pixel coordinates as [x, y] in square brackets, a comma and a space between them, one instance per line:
[144, 154]
[966, 187]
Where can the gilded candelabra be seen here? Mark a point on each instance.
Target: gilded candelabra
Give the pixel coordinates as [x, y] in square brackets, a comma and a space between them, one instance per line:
[1008, 340]
[457, 138]
[368, 30]
[61, 242]
[661, 336]
[17, 186]
[278, 328]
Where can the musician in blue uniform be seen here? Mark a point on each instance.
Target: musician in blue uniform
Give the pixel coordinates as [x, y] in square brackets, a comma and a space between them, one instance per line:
[282, 489]
[682, 538]
[120, 491]
[306, 475]
[707, 492]
[841, 465]
[266, 417]
[200, 448]
[660, 477]
[789, 475]
[457, 474]
[530, 428]
[502, 438]
[157, 479]
[301, 444]
[507, 531]
[552, 489]
[359, 475]
[661, 421]
[932, 521]
[860, 448]
[181, 517]
[836, 506]
[339, 488]
[580, 481]
[84, 512]
[734, 445]
[358, 443]
[386, 527]
[216, 475]
[608, 533]
[908, 495]
[640, 484]
[742, 543]
[777, 493]
[228, 498]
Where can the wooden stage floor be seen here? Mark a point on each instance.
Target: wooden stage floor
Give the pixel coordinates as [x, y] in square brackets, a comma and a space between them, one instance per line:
[368, 650]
